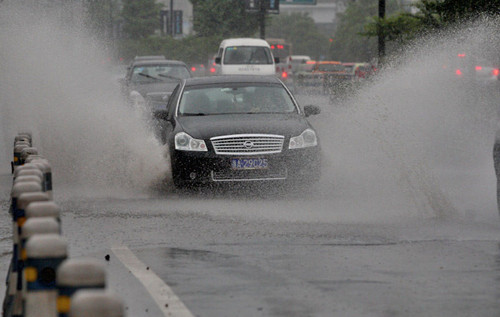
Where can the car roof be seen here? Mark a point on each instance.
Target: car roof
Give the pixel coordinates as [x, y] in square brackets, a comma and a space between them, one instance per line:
[232, 79]
[148, 57]
[244, 42]
[158, 62]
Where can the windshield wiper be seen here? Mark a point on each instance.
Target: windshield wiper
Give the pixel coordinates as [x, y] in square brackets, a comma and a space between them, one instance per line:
[169, 77]
[149, 76]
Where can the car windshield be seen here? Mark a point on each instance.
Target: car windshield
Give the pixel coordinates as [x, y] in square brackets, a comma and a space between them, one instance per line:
[247, 55]
[235, 99]
[160, 72]
[331, 67]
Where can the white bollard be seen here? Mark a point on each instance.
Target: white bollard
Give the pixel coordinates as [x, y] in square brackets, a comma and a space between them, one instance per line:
[33, 226]
[43, 209]
[77, 274]
[26, 134]
[27, 166]
[17, 155]
[22, 138]
[29, 178]
[46, 169]
[96, 303]
[27, 152]
[22, 203]
[12, 274]
[34, 157]
[44, 254]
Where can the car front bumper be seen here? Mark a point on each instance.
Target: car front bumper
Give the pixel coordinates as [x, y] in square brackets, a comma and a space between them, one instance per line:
[207, 167]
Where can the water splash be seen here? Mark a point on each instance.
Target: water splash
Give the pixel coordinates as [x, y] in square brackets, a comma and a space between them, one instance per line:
[54, 83]
[417, 139]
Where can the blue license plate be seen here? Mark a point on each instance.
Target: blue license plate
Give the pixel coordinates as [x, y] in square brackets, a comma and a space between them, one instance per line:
[249, 163]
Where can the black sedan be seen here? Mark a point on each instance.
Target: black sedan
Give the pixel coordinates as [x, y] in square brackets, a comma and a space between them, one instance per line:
[238, 129]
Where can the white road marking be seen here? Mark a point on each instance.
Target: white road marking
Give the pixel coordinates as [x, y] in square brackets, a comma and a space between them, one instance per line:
[162, 294]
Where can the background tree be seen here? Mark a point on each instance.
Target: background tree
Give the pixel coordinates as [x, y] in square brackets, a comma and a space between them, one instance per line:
[102, 17]
[432, 15]
[141, 18]
[349, 41]
[223, 19]
[300, 30]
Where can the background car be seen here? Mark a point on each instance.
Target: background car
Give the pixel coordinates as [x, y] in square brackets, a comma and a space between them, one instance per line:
[333, 75]
[238, 129]
[198, 70]
[150, 81]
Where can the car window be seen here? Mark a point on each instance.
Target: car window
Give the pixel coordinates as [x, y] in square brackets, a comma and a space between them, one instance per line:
[163, 72]
[247, 55]
[234, 99]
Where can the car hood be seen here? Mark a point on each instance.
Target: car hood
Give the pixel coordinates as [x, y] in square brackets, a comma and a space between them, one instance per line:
[205, 127]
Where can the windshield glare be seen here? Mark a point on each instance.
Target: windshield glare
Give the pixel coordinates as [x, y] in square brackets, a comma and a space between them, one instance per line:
[247, 55]
[149, 73]
[236, 99]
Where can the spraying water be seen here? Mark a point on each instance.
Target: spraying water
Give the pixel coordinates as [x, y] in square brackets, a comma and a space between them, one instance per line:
[54, 83]
[419, 139]
[414, 142]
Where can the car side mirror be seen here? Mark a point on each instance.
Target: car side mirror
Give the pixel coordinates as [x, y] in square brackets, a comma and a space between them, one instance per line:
[311, 110]
[218, 60]
[276, 60]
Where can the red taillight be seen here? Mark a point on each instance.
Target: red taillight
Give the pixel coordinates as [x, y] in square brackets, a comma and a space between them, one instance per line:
[212, 70]
[495, 72]
[272, 47]
[458, 72]
[478, 68]
[284, 75]
[461, 55]
[193, 69]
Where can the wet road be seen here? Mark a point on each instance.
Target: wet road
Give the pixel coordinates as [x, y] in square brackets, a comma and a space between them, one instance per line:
[230, 255]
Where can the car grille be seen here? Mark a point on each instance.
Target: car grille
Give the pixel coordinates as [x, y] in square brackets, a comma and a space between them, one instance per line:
[248, 144]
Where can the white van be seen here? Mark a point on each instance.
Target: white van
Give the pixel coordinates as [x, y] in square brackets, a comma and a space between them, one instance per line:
[245, 56]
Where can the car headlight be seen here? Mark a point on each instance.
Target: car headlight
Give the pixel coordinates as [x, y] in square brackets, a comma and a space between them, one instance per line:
[305, 139]
[185, 142]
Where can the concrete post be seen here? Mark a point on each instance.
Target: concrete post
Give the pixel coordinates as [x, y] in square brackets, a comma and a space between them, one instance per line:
[96, 303]
[44, 254]
[76, 274]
